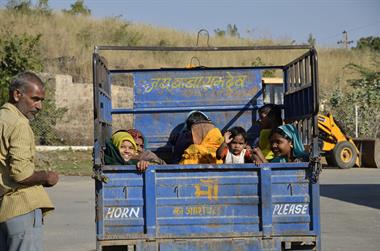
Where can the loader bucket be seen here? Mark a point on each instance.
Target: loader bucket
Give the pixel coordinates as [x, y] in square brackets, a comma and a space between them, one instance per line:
[369, 152]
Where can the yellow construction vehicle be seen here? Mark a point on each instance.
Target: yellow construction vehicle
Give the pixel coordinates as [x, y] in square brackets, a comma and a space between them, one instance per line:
[339, 149]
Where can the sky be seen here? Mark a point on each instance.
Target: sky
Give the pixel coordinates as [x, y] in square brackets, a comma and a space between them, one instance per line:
[276, 19]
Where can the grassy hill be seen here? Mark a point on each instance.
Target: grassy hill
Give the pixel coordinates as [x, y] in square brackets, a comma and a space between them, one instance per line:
[67, 42]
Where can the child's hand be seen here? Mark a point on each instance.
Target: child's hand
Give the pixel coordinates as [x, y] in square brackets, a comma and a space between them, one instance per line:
[258, 156]
[142, 165]
[227, 137]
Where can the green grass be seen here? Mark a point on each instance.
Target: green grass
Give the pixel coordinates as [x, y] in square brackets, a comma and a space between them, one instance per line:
[65, 162]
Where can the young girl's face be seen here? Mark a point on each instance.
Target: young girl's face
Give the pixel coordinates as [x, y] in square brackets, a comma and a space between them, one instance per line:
[127, 150]
[237, 144]
[280, 146]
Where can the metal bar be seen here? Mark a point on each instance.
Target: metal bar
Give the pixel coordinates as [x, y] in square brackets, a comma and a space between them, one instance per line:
[150, 202]
[266, 201]
[118, 71]
[315, 213]
[209, 167]
[182, 109]
[194, 48]
[312, 50]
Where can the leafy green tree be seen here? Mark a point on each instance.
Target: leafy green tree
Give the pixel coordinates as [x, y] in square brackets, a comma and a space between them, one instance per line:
[78, 8]
[23, 6]
[26, 7]
[366, 95]
[232, 31]
[371, 43]
[18, 54]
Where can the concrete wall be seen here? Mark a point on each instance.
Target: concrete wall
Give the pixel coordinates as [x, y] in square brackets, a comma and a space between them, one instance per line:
[76, 126]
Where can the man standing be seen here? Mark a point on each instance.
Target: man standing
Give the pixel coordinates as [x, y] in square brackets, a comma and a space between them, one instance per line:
[23, 200]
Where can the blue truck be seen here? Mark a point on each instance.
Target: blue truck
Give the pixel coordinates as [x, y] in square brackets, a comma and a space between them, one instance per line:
[271, 206]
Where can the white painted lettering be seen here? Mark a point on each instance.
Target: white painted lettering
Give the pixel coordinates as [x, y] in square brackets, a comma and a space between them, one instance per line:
[110, 212]
[117, 213]
[125, 212]
[279, 210]
[286, 207]
[122, 212]
[298, 209]
[134, 211]
[304, 209]
[276, 207]
[291, 209]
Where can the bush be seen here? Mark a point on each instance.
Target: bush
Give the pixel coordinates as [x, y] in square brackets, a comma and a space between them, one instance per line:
[366, 95]
[18, 54]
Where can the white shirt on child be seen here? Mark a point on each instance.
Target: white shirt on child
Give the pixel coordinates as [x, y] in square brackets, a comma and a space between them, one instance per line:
[235, 159]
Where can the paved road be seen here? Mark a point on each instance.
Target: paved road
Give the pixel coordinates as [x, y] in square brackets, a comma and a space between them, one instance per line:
[350, 212]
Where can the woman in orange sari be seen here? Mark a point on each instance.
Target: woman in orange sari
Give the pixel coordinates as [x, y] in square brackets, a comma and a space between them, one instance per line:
[206, 140]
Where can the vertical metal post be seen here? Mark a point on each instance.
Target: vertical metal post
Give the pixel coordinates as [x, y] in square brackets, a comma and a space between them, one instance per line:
[150, 202]
[266, 201]
[356, 121]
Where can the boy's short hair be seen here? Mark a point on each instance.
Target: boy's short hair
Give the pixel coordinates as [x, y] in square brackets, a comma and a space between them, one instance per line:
[238, 130]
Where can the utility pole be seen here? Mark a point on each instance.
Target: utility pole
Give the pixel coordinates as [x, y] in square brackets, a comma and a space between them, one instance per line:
[345, 41]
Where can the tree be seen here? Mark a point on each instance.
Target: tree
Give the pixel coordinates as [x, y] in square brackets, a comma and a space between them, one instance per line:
[18, 54]
[26, 7]
[78, 8]
[366, 95]
[232, 31]
[371, 43]
[311, 40]
[23, 6]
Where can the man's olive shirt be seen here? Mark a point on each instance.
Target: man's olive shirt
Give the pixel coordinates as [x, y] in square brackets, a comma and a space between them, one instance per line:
[17, 150]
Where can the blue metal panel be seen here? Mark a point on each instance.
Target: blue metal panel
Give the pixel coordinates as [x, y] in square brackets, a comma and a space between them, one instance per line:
[266, 201]
[123, 204]
[245, 199]
[162, 100]
[150, 202]
[192, 203]
[291, 202]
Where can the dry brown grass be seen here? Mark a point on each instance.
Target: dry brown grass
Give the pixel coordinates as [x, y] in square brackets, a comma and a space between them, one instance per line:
[67, 43]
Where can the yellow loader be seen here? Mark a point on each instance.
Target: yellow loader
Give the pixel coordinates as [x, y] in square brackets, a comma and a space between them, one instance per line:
[339, 149]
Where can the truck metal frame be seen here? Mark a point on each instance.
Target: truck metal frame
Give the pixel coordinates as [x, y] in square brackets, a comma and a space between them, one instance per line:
[207, 207]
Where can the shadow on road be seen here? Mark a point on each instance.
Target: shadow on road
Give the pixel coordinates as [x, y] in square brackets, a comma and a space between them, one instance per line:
[360, 194]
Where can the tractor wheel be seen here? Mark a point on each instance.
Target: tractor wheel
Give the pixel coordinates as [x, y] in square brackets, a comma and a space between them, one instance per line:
[344, 155]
